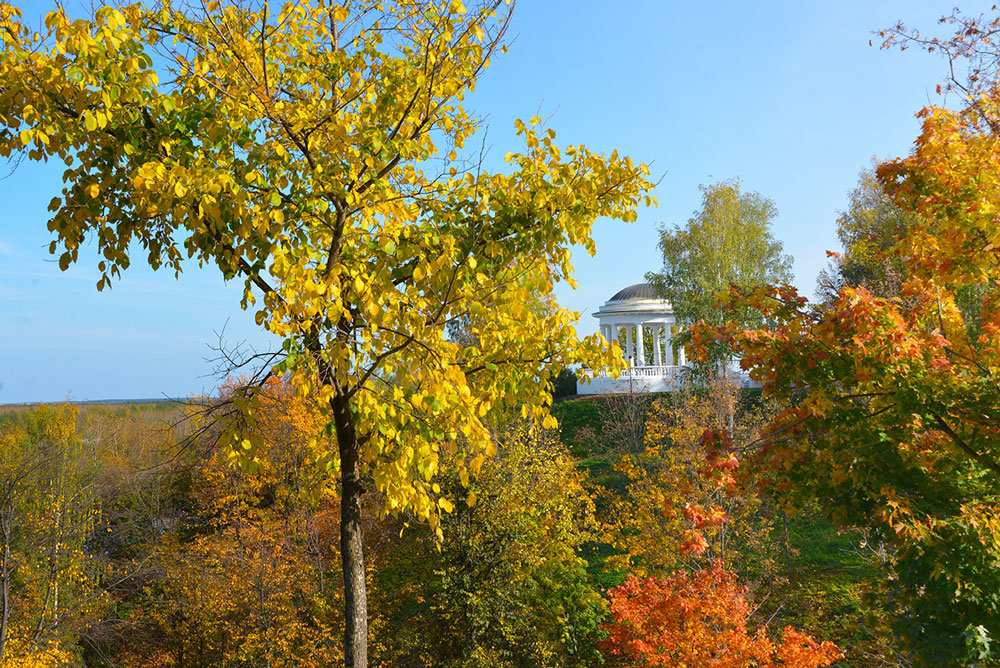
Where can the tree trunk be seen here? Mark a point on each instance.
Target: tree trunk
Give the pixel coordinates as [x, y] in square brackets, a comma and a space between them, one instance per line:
[788, 550]
[352, 549]
[4, 589]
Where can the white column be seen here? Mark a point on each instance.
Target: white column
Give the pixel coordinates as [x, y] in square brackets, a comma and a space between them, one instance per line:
[640, 346]
[665, 358]
[681, 355]
[669, 344]
[657, 353]
[661, 341]
[628, 344]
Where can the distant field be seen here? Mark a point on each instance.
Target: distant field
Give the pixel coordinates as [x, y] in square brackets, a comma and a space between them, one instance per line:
[144, 404]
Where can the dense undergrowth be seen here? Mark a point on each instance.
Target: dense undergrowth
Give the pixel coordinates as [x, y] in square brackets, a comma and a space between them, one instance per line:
[168, 555]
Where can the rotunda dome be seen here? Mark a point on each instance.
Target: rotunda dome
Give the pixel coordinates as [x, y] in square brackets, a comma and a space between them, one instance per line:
[637, 291]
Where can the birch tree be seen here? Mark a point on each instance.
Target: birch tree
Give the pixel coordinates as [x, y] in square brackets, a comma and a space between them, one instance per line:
[727, 242]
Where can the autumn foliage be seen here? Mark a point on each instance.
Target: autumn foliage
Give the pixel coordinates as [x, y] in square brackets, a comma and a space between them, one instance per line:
[892, 420]
[312, 153]
[684, 504]
[699, 619]
[315, 154]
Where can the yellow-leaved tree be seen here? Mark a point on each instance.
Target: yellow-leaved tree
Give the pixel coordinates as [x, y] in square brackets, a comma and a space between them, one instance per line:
[680, 509]
[243, 577]
[49, 592]
[311, 151]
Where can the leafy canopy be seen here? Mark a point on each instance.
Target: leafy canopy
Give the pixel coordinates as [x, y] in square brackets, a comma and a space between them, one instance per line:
[868, 228]
[699, 619]
[684, 507]
[727, 242]
[312, 153]
[507, 587]
[894, 420]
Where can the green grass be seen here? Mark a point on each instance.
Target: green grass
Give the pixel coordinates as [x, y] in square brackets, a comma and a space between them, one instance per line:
[579, 424]
[826, 596]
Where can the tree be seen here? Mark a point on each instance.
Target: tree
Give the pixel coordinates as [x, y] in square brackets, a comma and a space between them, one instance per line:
[312, 154]
[247, 592]
[49, 591]
[243, 577]
[728, 242]
[674, 511]
[894, 420]
[971, 51]
[508, 587]
[699, 619]
[870, 226]
[623, 419]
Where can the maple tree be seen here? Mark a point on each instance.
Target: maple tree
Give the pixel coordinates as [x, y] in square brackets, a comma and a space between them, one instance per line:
[677, 510]
[971, 51]
[312, 153]
[893, 422]
[699, 619]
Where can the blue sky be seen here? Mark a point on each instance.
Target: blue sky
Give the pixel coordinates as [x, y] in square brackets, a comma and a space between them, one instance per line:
[788, 96]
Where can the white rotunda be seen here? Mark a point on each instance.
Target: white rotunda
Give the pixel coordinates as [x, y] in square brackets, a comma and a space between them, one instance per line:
[645, 327]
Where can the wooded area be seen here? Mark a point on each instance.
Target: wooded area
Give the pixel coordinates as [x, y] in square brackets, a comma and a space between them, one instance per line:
[130, 542]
